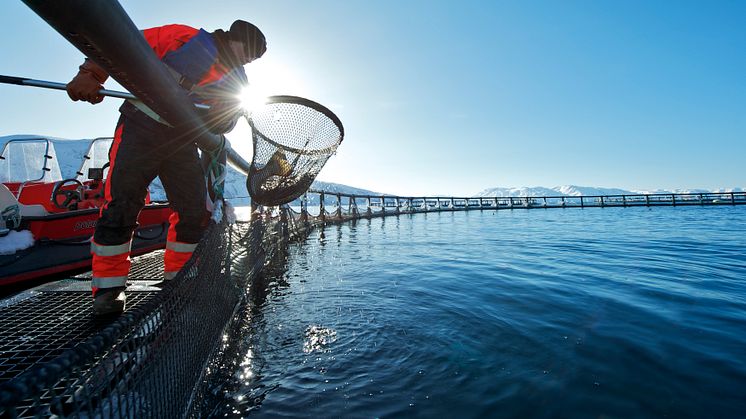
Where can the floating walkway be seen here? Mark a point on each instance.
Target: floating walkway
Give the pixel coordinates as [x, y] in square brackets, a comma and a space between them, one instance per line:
[56, 359]
[346, 206]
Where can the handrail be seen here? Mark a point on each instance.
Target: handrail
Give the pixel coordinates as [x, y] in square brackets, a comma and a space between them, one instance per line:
[330, 206]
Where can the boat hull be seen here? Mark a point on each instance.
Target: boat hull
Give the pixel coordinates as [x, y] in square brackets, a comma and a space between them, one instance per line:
[62, 243]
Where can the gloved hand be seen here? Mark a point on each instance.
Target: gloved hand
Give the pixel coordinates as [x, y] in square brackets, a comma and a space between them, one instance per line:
[222, 116]
[86, 84]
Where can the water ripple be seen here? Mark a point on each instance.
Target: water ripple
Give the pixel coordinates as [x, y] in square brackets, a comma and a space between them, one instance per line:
[616, 312]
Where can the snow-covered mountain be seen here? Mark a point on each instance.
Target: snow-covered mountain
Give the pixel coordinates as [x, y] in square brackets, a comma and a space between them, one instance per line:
[572, 190]
[567, 190]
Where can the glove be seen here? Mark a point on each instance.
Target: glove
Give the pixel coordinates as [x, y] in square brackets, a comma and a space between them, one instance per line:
[222, 116]
[86, 84]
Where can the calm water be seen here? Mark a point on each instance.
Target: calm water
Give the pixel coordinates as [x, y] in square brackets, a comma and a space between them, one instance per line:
[615, 312]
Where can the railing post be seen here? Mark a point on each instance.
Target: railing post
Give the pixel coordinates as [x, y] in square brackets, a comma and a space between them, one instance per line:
[582, 205]
[339, 206]
[353, 207]
[304, 208]
[369, 211]
[624, 200]
[732, 199]
[602, 201]
[673, 199]
[511, 202]
[383, 205]
[322, 208]
[647, 200]
[563, 202]
[396, 202]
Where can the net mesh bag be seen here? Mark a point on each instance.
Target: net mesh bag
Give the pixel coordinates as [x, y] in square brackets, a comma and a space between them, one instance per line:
[293, 139]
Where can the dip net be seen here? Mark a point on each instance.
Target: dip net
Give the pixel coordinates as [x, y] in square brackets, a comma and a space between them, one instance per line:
[293, 139]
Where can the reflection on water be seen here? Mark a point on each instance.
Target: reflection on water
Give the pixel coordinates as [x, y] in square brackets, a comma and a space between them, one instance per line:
[616, 312]
[318, 339]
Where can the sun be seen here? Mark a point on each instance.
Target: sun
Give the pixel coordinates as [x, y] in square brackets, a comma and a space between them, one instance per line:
[269, 77]
[252, 98]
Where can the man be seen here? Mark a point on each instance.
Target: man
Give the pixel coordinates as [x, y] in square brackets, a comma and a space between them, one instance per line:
[210, 67]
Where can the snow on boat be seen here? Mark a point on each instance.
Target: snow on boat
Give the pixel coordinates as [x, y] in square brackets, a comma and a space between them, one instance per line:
[47, 221]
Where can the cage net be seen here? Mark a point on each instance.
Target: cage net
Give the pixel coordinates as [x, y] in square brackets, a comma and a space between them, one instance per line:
[147, 362]
[293, 139]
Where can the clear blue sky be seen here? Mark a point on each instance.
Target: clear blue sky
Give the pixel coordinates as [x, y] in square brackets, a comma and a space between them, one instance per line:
[447, 97]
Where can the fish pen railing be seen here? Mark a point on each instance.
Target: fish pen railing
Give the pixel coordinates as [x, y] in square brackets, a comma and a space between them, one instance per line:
[342, 206]
[160, 358]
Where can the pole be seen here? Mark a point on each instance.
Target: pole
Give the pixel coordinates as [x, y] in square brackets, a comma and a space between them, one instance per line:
[103, 32]
[22, 81]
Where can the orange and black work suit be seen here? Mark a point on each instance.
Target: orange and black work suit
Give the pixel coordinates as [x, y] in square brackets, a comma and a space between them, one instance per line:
[144, 148]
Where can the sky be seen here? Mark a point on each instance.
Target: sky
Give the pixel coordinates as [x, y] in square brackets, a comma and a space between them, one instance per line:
[453, 97]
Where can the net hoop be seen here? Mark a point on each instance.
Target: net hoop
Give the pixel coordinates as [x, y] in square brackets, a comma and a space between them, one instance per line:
[293, 138]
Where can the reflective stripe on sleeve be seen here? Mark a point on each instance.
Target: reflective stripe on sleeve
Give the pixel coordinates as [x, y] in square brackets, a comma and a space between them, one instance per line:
[109, 282]
[181, 247]
[117, 249]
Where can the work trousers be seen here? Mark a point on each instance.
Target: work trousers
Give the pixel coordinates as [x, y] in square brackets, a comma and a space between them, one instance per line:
[141, 150]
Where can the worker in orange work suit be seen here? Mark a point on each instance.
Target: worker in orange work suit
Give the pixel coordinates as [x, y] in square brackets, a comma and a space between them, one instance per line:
[209, 66]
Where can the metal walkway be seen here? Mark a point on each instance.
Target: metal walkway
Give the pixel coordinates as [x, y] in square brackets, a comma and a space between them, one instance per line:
[40, 324]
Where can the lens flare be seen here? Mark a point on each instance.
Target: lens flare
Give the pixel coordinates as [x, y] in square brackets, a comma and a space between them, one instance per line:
[251, 99]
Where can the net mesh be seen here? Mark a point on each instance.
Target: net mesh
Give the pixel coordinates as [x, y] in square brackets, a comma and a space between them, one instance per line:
[293, 139]
[146, 363]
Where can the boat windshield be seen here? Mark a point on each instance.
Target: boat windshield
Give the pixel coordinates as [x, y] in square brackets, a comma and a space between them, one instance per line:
[28, 160]
[96, 157]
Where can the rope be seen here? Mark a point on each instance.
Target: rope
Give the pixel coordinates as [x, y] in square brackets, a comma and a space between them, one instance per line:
[216, 170]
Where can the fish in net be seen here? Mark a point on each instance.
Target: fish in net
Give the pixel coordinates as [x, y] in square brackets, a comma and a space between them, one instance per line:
[293, 139]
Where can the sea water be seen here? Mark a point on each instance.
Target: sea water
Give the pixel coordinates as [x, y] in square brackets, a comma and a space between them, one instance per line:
[596, 312]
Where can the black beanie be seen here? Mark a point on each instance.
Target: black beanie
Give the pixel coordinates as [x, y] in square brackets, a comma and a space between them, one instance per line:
[252, 38]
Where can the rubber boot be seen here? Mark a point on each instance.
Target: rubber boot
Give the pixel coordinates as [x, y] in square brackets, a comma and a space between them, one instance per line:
[109, 301]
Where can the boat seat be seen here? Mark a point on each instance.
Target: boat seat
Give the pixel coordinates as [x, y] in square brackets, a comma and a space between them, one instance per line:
[7, 199]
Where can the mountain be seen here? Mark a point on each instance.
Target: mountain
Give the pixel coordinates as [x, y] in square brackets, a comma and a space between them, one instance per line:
[567, 190]
[572, 190]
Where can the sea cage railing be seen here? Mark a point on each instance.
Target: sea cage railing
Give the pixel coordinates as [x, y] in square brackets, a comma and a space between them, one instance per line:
[342, 206]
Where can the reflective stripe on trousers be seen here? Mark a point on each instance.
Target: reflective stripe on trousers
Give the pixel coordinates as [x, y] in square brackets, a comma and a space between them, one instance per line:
[108, 282]
[176, 255]
[111, 264]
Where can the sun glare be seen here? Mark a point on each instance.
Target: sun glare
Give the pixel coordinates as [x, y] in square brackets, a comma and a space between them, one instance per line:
[270, 77]
[252, 98]
[267, 77]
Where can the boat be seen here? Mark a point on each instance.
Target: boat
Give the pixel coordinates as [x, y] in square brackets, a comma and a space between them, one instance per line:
[47, 221]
